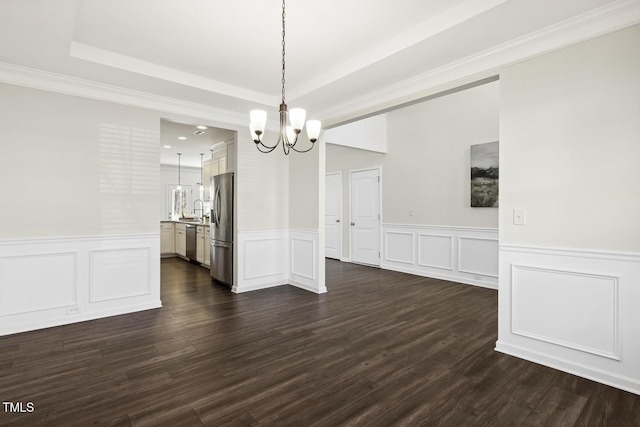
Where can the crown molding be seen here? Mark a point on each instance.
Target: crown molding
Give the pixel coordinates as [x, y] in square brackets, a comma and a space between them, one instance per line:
[60, 83]
[597, 22]
[115, 60]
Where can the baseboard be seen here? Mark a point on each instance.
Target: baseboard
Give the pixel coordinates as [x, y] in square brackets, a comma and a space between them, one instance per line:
[618, 381]
[256, 287]
[307, 287]
[83, 317]
[450, 278]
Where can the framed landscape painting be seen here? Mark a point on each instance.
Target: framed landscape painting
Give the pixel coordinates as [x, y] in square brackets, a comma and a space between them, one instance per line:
[484, 175]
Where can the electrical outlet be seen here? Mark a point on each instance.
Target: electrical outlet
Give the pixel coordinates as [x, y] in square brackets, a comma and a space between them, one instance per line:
[73, 310]
[518, 217]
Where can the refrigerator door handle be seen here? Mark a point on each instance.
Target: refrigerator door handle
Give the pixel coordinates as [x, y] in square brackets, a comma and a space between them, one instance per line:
[218, 207]
[222, 245]
[214, 211]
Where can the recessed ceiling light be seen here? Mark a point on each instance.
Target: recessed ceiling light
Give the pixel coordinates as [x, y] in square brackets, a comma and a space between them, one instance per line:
[201, 127]
[198, 132]
[182, 138]
[167, 146]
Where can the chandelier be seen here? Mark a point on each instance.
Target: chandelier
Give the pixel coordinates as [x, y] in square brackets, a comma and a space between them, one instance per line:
[288, 132]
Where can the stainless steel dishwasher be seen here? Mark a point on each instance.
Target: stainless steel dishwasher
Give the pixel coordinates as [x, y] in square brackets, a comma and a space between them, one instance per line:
[191, 242]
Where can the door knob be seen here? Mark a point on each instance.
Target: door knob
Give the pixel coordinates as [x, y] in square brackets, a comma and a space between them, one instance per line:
[337, 220]
[353, 223]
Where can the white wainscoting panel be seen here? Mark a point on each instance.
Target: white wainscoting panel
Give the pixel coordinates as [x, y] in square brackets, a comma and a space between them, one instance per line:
[262, 259]
[435, 251]
[25, 289]
[302, 258]
[304, 261]
[399, 247]
[577, 301]
[573, 310]
[265, 261]
[461, 254]
[119, 273]
[55, 281]
[478, 256]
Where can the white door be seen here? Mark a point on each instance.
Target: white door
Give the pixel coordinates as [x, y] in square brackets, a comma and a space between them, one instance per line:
[365, 217]
[333, 215]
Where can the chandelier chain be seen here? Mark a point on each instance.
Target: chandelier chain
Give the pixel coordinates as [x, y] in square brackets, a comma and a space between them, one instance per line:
[288, 136]
[283, 51]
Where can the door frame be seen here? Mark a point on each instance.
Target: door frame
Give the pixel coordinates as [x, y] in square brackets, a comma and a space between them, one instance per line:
[380, 245]
[340, 207]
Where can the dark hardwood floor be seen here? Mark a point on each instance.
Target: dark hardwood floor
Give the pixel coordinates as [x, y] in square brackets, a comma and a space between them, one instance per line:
[380, 349]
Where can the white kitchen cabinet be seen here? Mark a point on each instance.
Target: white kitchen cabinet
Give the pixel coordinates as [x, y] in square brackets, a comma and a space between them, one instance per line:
[230, 161]
[222, 161]
[167, 238]
[206, 180]
[200, 244]
[207, 246]
[215, 167]
[181, 239]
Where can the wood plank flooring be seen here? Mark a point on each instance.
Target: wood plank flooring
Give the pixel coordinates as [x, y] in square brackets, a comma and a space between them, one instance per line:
[380, 349]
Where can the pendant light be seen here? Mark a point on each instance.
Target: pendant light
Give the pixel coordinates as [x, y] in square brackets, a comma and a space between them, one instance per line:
[201, 175]
[288, 132]
[179, 186]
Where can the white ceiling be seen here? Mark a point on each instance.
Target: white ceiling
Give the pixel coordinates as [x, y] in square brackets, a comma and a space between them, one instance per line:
[226, 54]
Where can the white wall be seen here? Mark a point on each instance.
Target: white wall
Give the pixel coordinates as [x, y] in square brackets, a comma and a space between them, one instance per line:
[366, 134]
[83, 167]
[304, 183]
[427, 168]
[569, 134]
[82, 241]
[263, 185]
[571, 122]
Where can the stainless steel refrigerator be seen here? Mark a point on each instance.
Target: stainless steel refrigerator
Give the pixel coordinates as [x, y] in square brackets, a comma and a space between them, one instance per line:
[221, 267]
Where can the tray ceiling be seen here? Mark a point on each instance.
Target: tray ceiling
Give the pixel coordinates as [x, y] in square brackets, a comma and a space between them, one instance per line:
[226, 54]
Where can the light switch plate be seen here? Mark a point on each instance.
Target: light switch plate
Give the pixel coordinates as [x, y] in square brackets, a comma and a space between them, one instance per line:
[518, 216]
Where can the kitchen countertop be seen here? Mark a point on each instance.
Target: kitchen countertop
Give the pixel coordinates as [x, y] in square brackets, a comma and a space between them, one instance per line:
[186, 222]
